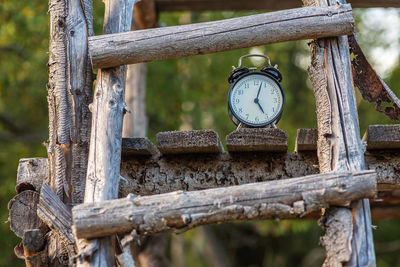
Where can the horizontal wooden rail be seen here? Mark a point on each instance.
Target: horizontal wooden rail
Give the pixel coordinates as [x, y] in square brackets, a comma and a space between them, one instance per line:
[202, 38]
[180, 210]
[210, 5]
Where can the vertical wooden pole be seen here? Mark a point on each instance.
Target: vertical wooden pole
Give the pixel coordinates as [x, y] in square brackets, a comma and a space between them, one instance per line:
[108, 107]
[348, 233]
[69, 94]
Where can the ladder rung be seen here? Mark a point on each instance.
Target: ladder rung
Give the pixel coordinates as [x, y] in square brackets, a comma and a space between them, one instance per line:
[202, 38]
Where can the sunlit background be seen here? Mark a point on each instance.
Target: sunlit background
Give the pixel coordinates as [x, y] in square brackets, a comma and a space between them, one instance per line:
[183, 94]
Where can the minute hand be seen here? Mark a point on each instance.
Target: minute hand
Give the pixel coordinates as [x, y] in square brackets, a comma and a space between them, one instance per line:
[259, 90]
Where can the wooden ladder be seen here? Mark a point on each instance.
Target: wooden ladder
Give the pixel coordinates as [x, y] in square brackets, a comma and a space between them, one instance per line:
[342, 187]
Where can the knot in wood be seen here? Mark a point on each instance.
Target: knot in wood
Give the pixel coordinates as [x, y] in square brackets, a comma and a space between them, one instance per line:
[117, 88]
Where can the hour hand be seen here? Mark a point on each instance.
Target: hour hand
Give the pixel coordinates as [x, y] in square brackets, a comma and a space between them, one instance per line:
[258, 103]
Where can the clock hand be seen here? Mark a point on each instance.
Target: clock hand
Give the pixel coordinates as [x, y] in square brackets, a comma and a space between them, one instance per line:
[259, 90]
[258, 103]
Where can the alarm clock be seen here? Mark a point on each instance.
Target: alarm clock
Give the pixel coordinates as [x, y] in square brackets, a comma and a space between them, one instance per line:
[256, 98]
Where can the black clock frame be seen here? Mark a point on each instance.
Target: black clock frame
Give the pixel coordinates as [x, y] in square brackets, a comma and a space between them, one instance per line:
[236, 119]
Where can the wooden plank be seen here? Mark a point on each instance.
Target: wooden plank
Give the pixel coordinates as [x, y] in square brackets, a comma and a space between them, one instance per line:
[210, 37]
[138, 146]
[108, 107]
[180, 210]
[189, 142]
[214, 5]
[31, 174]
[56, 215]
[382, 137]
[339, 148]
[257, 139]
[306, 140]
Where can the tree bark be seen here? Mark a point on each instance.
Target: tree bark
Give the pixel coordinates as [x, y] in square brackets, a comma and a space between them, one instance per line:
[210, 37]
[180, 210]
[105, 142]
[348, 233]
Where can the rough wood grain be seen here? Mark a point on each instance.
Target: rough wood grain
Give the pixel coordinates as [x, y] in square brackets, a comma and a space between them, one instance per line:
[22, 215]
[306, 140]
[57, 216]
[210, 37]
[31, 174]
[105, 141]
[69, 94]
[203, 5]
[382, 137]
[339, 148]
[180, 210]
[185, 142]
[257, 139]
[138, 146]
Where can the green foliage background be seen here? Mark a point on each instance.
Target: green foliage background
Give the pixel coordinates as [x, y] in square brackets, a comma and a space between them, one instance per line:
[186, 93]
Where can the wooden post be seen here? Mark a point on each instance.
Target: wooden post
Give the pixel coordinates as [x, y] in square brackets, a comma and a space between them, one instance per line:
[177, 211]
[69, 94]
[216, 36]
[348, 233]
[108, 107]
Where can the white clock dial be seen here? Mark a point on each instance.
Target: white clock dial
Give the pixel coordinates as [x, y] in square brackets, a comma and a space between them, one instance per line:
[256, 99]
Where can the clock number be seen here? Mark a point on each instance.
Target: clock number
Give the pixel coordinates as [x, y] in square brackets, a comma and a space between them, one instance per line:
[247, 116]
[240, 110]
[237, 100]
[246, 85]
[256, 119]
[240, 92]
[275, 100]
[273, 109]
[256, 82]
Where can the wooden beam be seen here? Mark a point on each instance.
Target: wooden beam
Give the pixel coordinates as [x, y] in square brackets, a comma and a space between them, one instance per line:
[210, 37]
[105, 141]
[57, 216]
[180, 210]
[31, 174]
[214, 5]
[339, 148]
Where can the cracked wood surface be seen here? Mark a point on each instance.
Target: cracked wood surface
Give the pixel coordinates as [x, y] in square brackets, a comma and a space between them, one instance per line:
[181, 210]
[210, 37]
[339, 148]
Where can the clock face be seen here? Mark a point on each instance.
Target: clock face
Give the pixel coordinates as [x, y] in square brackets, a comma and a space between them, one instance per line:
[256, 99]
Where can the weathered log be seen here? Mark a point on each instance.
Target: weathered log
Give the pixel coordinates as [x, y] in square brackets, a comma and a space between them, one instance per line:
[57, 216]
[31, 174]
[210, 37]
[339, 148]
[257, 139]
[189, 142]
[210, 5]
[382, 137]
[69, 94]
[180, 210]
[105, 141]
[23, 213]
